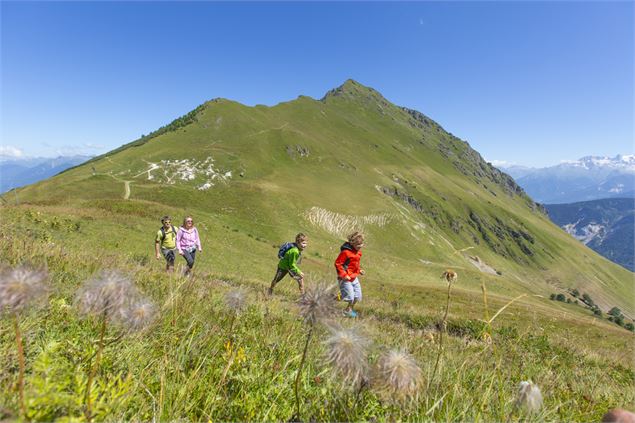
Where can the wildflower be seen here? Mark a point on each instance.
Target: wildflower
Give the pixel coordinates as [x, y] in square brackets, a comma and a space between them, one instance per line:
[139, 315]
[107, 295]
[398, 376]
[529, 396]
[236, 300]
[317, 304]
[21, 287]
[346, 352]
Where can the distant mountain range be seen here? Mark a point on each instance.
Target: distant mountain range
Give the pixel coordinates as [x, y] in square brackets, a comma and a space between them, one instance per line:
[606, 226]
[20, 172]
[589, 178]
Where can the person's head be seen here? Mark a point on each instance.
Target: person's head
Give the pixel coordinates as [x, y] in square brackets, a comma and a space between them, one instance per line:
[301, 241]
[356, 239]
[166, 221]
[188, 222]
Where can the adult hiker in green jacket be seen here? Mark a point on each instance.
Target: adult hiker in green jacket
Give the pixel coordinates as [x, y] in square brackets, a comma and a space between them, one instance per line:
[290, 255]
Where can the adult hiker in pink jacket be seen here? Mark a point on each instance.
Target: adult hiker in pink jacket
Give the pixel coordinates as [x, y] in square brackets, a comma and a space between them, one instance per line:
[188, 243]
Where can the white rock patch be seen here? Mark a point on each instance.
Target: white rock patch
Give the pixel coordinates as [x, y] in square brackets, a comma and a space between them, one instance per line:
[342, 224]
[186, 170]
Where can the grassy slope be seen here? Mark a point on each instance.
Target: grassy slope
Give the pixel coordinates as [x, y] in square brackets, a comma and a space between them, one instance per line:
[582, 363]
[356, 142]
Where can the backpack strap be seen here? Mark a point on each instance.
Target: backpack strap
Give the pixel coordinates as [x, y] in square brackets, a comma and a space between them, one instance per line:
[163, 232]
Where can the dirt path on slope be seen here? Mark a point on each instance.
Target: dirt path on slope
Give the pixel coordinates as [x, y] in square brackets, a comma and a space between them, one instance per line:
[126, 184]
[126, 194]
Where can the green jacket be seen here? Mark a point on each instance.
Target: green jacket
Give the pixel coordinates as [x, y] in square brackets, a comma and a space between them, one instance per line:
[291, 260]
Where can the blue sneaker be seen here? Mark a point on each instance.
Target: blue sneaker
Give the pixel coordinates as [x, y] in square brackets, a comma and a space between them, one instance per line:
[352, 313]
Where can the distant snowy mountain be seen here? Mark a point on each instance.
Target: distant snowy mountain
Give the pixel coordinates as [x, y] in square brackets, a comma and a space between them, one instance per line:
[19, 172]
[589, 178]
[606, 226]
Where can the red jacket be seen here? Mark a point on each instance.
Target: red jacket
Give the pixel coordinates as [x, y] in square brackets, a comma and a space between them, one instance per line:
[347, 263]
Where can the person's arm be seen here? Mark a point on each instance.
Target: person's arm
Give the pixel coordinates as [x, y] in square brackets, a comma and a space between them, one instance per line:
[179, 235]
[339, 266]
[198, 240]
[157, 243]
[292, 257]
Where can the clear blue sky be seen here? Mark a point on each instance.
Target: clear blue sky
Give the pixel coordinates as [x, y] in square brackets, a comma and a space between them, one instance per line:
[530, 83]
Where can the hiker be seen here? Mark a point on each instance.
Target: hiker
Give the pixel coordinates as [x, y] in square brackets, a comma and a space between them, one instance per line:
[290, 255]
[348, 270]
[165, 243]
[188, 243]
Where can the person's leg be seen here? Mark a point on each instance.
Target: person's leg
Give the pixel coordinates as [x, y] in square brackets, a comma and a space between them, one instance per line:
[169, 255]
[193, 255]
[357, 292]
[299, 279]
[348, 294]
[280, 273]
[188, 256]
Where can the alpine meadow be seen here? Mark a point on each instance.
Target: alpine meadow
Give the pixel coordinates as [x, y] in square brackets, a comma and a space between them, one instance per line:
[523, 333]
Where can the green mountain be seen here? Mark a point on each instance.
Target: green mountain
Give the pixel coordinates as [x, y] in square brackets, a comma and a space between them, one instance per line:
[254, 176]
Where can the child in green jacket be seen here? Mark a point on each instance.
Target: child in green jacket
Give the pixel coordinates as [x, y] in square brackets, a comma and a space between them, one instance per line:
[289, 263]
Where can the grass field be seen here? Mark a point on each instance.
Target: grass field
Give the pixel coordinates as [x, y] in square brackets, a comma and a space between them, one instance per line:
[194, 363]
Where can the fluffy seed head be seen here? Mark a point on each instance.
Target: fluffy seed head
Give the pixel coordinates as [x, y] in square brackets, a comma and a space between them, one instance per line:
[139, 315]
[108, 295]
[236, 300]
[529, 396]
[347, 354]
[397, 376]
[317, 304]
[22, 287]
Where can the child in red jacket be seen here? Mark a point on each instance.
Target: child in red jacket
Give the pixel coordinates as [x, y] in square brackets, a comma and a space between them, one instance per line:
[347, 266]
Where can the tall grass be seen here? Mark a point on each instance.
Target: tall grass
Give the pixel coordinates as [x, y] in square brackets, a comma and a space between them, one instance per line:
[181, 368]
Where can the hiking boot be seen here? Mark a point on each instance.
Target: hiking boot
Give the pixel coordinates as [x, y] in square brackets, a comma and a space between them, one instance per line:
[351, 313]
[270, 291]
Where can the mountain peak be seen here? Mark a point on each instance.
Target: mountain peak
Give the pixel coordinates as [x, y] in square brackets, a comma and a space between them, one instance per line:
[353, 90]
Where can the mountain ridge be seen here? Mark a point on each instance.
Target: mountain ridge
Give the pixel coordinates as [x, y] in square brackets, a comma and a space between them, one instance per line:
[336, 165]
[588, 178]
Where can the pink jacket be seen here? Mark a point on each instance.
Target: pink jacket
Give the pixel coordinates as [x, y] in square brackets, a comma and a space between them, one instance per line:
[187, 239]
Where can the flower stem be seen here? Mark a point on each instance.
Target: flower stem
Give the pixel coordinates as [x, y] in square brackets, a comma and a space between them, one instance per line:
[442, 329]
[93, 369]
[18, 341]
[297, 378]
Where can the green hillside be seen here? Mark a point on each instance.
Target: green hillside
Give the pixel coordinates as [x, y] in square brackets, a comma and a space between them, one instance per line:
[252, 177]
[350, 160]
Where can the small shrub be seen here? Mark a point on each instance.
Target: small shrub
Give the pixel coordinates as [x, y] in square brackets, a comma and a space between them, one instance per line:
[552, 297]
[597, 312]
[629, 326]
[619, 320]
[575, 292]
[615, 312]
[560, 297]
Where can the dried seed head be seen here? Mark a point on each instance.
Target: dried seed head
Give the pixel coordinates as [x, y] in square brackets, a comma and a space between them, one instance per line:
[347, 353]
[317, 304]
[108, 295]
[22, 287]
[397, 376]
[236, 300]
[529, 397]
[139, 315]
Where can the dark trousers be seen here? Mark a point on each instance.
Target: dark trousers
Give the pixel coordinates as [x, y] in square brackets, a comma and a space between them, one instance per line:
[189, 257]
